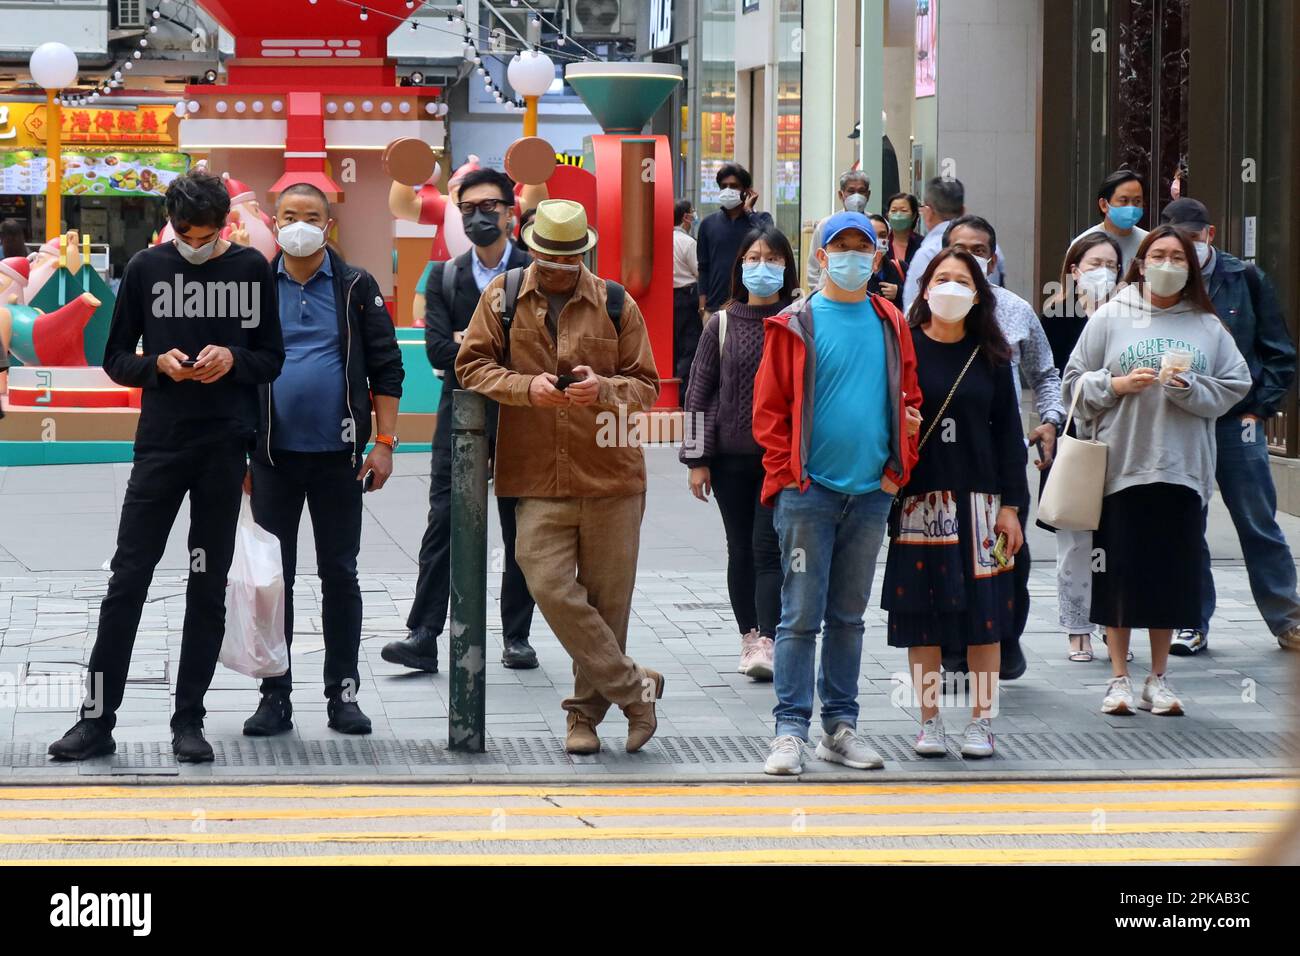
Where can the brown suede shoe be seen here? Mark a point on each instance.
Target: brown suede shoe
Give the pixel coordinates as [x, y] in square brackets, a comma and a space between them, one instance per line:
[582, 737]
[642, 721]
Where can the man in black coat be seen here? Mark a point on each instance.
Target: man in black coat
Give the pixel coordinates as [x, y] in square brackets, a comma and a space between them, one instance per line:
[313, 429]
[486, 202]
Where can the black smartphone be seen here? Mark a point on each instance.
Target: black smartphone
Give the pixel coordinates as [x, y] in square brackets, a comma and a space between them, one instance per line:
[564, 381]
[188, 363]
[369, 483]
[1038, 443]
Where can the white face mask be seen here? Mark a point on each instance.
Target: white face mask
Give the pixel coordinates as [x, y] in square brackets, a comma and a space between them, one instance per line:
[558, 266]
[1165, 278]
[1097, 283]
[984, 264]
[729, 198]
[1202, 253]
[855, 202]
[196, 255]
[950, 301]
[300, 238]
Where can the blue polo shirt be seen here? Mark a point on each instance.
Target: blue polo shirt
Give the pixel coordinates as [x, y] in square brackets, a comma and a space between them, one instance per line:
[851, 431]
[309, 398]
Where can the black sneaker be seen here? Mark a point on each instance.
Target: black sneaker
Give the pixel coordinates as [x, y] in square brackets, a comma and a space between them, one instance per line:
[518, 654]
[1188, 641]
[87, 738]
[1014, 664]
[189, 745]
[419, 651]
[346, 717]
[271, 717]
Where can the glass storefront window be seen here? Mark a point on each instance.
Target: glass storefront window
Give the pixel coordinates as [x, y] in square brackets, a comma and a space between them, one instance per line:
[789, 99]
[717, 95]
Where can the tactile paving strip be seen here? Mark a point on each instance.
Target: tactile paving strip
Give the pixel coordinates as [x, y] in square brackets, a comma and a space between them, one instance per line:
[733, 752]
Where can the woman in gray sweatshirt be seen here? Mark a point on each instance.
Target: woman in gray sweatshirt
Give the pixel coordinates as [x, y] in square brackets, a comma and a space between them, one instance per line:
[1152, 371]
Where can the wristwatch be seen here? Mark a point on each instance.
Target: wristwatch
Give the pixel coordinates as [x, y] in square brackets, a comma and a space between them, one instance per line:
[389, 440]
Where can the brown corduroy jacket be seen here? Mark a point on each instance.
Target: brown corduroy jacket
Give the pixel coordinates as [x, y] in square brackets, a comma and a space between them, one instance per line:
[569, 451]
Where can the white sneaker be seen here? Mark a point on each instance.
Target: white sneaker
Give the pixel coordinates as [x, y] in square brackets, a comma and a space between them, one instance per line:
[1289, 640]
[1119, 697]
[846, 747]
[752, 662]
[978, 739]
[1159, 698]
[1187, 642]
[931, 742]
[785, 756]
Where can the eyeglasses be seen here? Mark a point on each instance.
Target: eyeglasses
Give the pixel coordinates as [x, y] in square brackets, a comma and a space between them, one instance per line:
[489, 206]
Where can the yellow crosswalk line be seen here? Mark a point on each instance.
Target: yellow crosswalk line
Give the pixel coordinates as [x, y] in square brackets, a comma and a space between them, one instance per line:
[588, 834]
[671, 810]
[965, 856]
[776, 788]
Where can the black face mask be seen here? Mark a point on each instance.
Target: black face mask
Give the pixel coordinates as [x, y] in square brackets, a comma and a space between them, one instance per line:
[482, 228]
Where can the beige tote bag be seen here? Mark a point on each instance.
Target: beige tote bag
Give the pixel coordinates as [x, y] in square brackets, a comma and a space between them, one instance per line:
[1071, 498]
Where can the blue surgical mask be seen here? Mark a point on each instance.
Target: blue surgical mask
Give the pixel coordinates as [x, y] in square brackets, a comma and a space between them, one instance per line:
[1124, 217]
[849, 270]
[762, 278]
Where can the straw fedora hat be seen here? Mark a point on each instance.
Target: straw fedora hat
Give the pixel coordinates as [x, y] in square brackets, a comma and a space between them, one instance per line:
[560, 229]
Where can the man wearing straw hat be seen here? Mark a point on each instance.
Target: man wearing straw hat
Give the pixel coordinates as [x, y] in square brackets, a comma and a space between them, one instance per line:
[567, 357]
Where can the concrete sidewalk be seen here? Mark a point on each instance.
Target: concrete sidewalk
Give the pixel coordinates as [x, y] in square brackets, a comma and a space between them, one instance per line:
[59, 529]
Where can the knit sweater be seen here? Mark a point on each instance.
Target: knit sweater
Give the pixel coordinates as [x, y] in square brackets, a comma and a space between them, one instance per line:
[719, 403]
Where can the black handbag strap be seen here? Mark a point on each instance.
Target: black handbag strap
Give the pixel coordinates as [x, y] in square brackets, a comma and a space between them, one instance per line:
[951, 392]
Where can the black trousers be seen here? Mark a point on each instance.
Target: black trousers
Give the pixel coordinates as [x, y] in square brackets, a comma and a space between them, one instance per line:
[327, 483]
[212, 474]
[433, 585]
[686, 333]
[753, 552]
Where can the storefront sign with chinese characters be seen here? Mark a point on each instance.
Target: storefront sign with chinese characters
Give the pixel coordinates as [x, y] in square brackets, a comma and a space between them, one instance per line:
[25, 126]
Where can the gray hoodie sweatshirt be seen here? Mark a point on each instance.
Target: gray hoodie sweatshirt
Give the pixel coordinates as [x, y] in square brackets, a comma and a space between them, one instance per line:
[1166, 432]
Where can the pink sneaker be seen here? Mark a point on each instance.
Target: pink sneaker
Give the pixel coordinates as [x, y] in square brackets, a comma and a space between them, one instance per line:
[756, 656]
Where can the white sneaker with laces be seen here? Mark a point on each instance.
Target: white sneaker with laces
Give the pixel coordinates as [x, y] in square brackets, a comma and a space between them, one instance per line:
[1159, 698]
[1119, 696]
[1188, 641]
[785, 756]
[978, 739]
[846, 747]
[931, 742]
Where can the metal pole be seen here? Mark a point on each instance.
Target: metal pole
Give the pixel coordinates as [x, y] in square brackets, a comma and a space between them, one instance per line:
[54, 166]
[469, 452]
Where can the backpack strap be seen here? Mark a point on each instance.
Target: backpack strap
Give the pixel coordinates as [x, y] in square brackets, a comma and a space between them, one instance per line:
[449, 284]
[615, 295]
[514, 279]
[722, 329]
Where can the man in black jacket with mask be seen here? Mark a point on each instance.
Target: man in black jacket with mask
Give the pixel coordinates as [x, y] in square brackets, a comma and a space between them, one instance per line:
[486, 201]
[205, 310]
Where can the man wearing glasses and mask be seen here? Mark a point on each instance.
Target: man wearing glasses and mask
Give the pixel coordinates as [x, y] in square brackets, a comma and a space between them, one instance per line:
[486, 203]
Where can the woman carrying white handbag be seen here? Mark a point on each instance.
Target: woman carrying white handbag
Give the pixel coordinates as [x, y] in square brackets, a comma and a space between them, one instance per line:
[1153, 370]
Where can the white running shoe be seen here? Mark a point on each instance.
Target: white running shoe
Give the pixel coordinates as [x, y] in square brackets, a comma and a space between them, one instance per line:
[1119, 696]
[846, 747]
[1159, 698]
[931, 742]
[978, 739]
[1187, 642]
[785, 756]
[753, 662]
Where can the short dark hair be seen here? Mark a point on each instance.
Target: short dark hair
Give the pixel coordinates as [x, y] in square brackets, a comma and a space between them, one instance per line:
[197, 198]
[490, 177]
[305, 189]
[13, 239]
[975, 222]
[680, 209]
[1116, 179]
[946, 196]
[911, 202]
[528, 216]
[737, 170]
[876, 217]
[778, 243]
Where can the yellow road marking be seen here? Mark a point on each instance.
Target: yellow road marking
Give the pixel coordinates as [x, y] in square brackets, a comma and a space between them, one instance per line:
[758, 810]
[352, 791]
[586, 834]
[966, 856]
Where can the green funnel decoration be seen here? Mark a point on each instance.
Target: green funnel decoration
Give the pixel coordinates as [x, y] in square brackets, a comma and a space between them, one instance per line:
[623, 96]
[63, 287]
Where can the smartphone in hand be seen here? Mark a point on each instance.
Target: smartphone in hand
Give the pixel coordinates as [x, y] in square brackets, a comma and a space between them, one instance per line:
[369, 483]
[564, 381]
[188, 363]
[1000, 550]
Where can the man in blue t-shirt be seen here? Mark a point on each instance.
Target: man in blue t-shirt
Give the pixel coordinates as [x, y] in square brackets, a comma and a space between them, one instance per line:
[836, 409]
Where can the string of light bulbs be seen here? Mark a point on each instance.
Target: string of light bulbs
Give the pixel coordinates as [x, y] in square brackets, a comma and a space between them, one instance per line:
[564, 37]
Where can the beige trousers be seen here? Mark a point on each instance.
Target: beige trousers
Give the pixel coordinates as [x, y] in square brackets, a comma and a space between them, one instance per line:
[579, 558]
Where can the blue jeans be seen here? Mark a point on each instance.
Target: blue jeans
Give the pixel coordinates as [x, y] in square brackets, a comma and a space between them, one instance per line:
[1246, 485]
[829, 545]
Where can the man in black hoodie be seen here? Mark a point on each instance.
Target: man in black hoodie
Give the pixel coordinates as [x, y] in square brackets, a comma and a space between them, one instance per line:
[206, 312]
[314, 425]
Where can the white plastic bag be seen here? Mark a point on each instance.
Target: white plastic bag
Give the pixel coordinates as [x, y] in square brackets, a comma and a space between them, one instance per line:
[254, 643]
